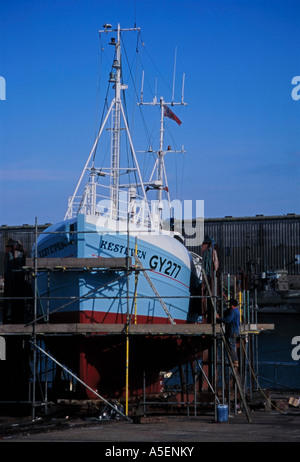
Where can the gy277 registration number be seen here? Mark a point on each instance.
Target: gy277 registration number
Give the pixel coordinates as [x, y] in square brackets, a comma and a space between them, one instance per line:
[165, 266]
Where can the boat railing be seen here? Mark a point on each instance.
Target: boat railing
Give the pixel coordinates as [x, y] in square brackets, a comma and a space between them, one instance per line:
[96, 201]
[197, 260]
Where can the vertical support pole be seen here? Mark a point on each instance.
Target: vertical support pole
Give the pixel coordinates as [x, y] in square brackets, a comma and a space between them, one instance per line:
[127, 322]
[248, 307]
[46, 384]
[242, 357]
[182, 382]
[228, 286]
[250, 363]
[127, 370]
[229, 390]
[48, 295]
[222, 345]
[215, 355]
[187, 389]
[34, 324]
[195, 382]
[136, 278]
[235, 399]
[234, 286]
[144, 391]
[256, 338]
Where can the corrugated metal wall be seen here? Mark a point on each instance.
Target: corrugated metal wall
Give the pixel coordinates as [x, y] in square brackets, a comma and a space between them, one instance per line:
[270, 243]
[25, 234]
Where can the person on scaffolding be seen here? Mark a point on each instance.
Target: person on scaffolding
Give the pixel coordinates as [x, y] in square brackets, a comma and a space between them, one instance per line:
[231, 319]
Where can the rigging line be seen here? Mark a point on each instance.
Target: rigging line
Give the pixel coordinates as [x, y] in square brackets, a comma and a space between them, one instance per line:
[167, 125]
[105, 107]
[134, 13]
[127, 147]
[154, 65]
[99, 83]
[125, 103]
[134, 101]
[157, 69]
[136, 94]
[126, 141]
[135, 79]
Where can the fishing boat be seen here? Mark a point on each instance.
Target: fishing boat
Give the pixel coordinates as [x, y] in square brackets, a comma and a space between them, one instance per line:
[147, 275]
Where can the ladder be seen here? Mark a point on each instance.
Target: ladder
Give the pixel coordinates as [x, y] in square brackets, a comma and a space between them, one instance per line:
[236, 378]
[234, 371]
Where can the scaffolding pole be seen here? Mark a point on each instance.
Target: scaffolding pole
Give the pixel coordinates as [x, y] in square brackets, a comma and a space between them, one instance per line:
[34, 325]
[79, 380]
[212, 296]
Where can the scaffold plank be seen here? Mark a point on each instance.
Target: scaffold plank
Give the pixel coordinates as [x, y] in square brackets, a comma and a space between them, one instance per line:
[134, 329]
[45, 263]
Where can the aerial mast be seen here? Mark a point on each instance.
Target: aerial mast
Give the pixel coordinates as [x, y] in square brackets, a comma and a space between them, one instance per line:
[161, 183]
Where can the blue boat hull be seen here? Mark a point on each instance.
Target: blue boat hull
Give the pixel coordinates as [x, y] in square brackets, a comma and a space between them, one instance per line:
[110, 296]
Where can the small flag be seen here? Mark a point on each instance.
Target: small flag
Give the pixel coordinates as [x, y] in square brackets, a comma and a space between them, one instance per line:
[171, 115]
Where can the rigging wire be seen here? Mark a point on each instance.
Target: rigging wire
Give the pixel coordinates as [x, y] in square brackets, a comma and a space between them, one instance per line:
[105, 108]
[135, 89]
[148, 136]
[157, 68]
[125, 108]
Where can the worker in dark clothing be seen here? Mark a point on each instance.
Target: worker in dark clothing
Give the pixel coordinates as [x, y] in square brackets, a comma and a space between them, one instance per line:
[231, 319]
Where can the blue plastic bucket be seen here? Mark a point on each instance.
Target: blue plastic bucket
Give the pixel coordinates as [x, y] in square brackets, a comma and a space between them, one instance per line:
[222, 412]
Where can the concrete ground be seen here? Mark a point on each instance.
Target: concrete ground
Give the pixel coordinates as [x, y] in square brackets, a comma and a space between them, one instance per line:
[265, 426]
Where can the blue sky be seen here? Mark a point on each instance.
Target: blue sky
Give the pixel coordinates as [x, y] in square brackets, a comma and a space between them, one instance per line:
[240, 128]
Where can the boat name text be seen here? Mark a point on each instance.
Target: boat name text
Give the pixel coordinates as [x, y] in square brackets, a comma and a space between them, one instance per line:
[122, 249]
[165, 266]
[60, 245]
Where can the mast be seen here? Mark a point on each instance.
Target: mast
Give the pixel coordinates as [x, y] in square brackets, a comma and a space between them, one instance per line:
[115, 142]
[88, 202]
[161, 182]
[160, 154]
[116, 110]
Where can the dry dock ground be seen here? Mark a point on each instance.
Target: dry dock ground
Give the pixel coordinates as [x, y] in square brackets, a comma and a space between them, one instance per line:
[173, 431]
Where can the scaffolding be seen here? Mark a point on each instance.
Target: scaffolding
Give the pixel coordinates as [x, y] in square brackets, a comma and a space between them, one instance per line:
[212, 369]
